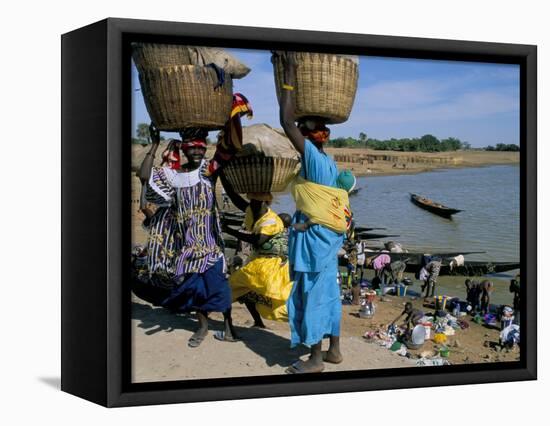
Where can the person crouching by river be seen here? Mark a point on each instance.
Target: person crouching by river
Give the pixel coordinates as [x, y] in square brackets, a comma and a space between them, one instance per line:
[314, 306]
[263, 284]
[379, 263]
[412, 317]
[198, 266]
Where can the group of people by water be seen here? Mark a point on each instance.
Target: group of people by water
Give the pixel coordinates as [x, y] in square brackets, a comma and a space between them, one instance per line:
[183, 267]
[292, 272]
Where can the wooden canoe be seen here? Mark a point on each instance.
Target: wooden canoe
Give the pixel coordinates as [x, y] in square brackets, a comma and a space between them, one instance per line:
[433, 207]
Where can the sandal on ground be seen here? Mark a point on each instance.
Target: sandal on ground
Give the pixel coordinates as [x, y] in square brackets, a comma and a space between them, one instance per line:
[295, 368]
[195, 341]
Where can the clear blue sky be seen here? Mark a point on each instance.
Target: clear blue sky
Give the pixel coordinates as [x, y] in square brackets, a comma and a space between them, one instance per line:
[475, 102]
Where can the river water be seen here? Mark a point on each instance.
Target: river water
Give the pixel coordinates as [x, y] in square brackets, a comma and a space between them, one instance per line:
[489, 222]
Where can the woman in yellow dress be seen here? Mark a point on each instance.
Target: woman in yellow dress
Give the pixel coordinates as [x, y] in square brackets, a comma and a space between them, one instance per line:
[263, 284]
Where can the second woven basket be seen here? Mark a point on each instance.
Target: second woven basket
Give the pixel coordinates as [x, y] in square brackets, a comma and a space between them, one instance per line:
[325, 85]
[257, 173]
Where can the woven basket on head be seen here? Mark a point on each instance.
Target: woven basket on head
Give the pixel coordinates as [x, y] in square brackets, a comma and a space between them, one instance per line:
[325, 85]
[256, 173]
[183, 96]
[151, 55]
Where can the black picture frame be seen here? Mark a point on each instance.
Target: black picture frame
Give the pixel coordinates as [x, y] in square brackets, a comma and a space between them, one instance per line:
[95, 191]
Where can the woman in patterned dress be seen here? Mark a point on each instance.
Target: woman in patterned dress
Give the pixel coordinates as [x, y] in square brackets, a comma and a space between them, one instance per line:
[194, 262]
[154, 263]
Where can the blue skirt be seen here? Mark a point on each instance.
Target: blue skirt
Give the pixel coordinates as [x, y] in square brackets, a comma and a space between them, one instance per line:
[314, 306]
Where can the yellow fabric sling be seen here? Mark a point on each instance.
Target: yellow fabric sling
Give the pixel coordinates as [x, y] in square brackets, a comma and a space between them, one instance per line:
[324, 205]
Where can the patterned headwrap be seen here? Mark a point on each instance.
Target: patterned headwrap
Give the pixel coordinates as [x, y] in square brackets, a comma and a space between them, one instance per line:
[231, 137]
[241, 106]
[193, 143]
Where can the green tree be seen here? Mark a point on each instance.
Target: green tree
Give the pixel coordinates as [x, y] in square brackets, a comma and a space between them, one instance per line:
[451, 144]
[430, 142]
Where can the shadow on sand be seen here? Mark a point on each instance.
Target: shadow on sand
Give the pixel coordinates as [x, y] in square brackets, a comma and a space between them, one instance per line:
[273, 348]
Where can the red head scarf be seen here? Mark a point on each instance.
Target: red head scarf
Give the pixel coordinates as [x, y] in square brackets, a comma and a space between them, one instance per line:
[193, 143]
[315, 131]
[319, 136]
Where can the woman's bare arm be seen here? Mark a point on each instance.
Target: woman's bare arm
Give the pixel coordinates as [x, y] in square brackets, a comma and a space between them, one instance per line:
[146, 166]
[145, 170]
[255, 239]
[235, 198]
[287, 102]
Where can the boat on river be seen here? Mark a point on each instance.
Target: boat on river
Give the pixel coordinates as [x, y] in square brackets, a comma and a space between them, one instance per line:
[433, 207]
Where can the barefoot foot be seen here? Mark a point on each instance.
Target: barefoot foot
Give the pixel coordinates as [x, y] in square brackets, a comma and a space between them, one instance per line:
[332, 357]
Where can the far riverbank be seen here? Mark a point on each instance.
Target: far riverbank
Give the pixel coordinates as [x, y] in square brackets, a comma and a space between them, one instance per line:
[366, 162]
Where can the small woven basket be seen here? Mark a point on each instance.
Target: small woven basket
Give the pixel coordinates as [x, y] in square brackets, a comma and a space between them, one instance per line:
[183, 96]
[325, 85]
[257, 173]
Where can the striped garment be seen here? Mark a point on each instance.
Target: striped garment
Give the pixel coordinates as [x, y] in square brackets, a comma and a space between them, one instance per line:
[190, 196]
[433, 269]
[164, 242]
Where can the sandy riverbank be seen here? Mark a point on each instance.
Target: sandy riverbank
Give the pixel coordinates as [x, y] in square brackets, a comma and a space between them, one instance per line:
[365, 162]
[160, 351]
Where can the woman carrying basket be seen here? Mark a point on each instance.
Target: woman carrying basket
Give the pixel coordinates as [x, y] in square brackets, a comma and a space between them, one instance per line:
[314, 306]
[185, 243]
[198, 267]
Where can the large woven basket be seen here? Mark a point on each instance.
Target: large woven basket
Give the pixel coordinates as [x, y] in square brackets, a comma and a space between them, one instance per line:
[325, 85]
[183, 96]
[149, 55]
[152, 55]
[256, 173]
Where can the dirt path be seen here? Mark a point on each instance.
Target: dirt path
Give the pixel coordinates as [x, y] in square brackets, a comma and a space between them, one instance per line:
[160, 350]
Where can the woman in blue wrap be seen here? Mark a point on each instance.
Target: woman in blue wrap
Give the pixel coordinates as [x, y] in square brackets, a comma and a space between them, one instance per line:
[314, 305]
